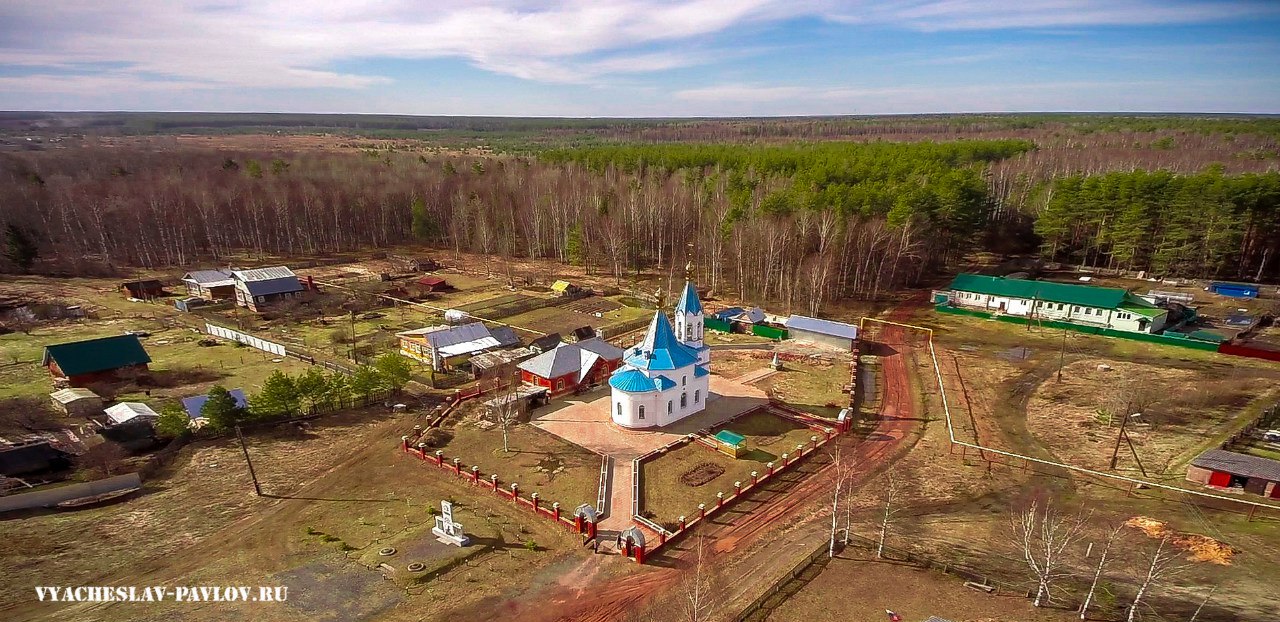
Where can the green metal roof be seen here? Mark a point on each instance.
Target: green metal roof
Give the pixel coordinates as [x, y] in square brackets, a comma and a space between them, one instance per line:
[92, 355]
[1067, 293]
[730, 438]
[1141, 310]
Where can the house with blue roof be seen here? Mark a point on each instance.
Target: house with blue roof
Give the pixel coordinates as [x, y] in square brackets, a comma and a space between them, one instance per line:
[666, 377]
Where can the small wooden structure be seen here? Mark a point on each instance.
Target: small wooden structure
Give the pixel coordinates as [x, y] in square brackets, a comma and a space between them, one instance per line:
[143, 290]
[77, 402]
[730, 443]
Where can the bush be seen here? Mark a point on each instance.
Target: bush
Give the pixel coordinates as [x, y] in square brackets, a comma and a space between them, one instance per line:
[530, 545]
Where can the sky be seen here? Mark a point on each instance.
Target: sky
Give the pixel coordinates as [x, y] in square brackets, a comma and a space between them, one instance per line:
[641, 58]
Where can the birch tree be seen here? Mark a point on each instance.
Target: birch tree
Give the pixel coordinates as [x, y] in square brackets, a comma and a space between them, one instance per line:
[1112, 534]
[1044, 535]
[890, 493]
[698, 587]
[1164, 563]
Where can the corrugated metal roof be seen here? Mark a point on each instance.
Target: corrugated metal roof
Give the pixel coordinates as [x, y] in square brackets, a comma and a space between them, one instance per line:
[570, 358]
[1067, 293]
[126, 411]
[468, 347]
[93, 355]
[505, 335]
[209, 278]
[498, 357]
[1239, 464]
[264, 274]
[823, 327]
[66, 396]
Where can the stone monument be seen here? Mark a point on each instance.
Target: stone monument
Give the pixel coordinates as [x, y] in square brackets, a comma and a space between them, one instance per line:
[448, 531]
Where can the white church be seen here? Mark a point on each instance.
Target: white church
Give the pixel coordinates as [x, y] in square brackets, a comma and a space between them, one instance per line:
[666, 377]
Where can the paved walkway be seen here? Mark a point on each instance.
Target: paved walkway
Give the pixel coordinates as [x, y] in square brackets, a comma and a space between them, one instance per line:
[584, 421]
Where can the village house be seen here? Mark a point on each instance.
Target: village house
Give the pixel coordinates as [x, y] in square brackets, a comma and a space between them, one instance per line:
[571, 366]
[261, 287]
[565, 288]
[441, 347]
[143, 290]
[77, 402]
[1085, 305]
[210, 284]
[1226, 469]
[83, 363]
[545, 343]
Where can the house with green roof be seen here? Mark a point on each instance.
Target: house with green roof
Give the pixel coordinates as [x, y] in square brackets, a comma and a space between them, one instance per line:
[1086, 305]
[104, 359]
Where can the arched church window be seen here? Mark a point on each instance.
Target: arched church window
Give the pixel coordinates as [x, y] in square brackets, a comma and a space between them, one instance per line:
[668, 407]
[619, 409]
[684, 400]
[641, 412]
[697, 395]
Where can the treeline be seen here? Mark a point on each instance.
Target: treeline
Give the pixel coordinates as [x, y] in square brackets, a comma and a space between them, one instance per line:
[1202, 225]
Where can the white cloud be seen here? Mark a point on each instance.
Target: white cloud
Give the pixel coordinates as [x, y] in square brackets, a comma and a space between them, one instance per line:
[285, 44]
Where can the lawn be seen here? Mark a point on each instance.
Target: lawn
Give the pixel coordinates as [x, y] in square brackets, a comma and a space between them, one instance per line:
[812, 386]
[539, 462]
[179, 366]
[667, 494]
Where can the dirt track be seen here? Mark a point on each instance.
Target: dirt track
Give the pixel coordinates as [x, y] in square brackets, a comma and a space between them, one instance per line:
[790, 501]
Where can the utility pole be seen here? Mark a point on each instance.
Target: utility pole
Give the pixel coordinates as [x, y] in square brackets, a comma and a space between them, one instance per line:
[1115, 454]
[353, 336]
[1062, 354]
[257, 489]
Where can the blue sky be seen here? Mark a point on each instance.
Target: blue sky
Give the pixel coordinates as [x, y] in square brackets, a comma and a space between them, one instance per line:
[641, 57]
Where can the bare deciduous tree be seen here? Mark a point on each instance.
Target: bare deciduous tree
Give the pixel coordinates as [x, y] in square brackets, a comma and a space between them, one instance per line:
[1164, 562]
[1112, 535]
[1044, 534]
[890, 492]
[841, 472]
[505, 408]
[698, 587]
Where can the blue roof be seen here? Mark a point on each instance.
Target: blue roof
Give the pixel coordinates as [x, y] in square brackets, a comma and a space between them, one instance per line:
[661, 349]
[730, 437]
[728, 313]
[634, 381]
[700, 371]
[195, 403]
[689, 302]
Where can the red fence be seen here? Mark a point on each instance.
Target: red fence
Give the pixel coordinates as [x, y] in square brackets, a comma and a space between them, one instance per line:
[1257, 353]
[473, 475]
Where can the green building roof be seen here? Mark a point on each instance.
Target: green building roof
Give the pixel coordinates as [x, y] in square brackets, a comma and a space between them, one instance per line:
[93, 355]
[733, 439]
[1067, 293]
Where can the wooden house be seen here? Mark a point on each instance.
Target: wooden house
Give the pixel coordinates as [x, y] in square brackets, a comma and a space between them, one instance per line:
[210, 284]
[260, 288]
[96, 360]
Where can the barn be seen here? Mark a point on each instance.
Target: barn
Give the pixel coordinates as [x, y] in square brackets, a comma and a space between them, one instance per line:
[259, 288]
[1234, 290]
[210, 284]
[572, 365]
[1226, 469]
[93, 360]
[823, 332]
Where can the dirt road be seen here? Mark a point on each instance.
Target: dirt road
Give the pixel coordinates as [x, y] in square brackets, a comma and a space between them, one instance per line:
[758, 539]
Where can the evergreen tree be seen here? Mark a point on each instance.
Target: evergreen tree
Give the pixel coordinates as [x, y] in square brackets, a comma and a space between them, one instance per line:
[424, 226]
[575, 247]
[20, 249]
[279, 396]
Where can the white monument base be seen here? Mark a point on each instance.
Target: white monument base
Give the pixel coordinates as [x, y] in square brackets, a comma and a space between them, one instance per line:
[460, 539]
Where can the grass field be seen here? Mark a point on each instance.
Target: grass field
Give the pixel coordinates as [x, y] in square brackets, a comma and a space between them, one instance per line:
[667, 497]
[179, 366]
[810, 386]
[539, 462]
